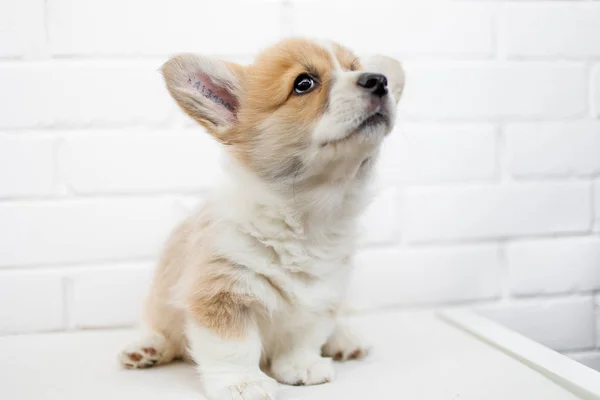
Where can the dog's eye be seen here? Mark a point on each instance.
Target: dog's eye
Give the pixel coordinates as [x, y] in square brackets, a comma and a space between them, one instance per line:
[303, 84]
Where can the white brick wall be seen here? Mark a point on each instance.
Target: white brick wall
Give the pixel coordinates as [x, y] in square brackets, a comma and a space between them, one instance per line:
[495, 211]
[33, 158]
[472, 90]
[565, 265]
[434, 153]
[596, 197]
[382, 227]
[82, 93]
[138, 27]
[93, 308]
[595, 89]
[553, 149]
[561, 29]
[31, 301]
[126, 161]
[490, 185]
[22, 32]
[65, 231]
[452, 31]
[401, 277]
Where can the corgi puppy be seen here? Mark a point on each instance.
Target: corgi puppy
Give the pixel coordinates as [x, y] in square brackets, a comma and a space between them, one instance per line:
[250, 287]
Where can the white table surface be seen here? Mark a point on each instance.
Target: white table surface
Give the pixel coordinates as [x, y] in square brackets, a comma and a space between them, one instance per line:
[415, 356]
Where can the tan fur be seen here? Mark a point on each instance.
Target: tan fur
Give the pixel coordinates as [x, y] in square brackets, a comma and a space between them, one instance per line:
[273, 117]
[160, 315]
[207, 285]
[225, 312]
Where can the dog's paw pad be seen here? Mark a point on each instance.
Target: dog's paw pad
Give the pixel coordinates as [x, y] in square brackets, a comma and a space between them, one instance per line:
[352, 353]
[149, 350]
[135, 356]
[140, 356]
[358, 354]
[344, 346]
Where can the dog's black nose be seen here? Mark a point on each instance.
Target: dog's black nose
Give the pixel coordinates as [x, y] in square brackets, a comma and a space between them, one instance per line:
[374, 83]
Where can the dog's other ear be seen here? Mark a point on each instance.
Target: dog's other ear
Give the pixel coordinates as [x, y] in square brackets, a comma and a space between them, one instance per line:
[391, 68]
[208, 90]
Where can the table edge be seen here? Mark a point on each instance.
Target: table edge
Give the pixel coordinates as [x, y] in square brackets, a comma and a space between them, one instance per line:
[577, 378]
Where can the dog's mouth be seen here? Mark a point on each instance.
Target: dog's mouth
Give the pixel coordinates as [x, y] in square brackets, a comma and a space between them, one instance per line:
[376, 119]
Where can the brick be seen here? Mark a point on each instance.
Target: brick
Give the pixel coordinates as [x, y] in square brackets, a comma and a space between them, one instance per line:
[411, 28]
[561, 324]
[26, 165]
[596, 197]
[495, 211]
[22, 31]
[31, 301]
[468, 90]
[126, 161]
[554, 266]
[128, 283]
[142, 27]
[551, 30]
[76, 93]
[595, 88]
[597, 310]
[393, 277]
[431, 153]
[553, 149]
[51, 232]
[380, 222]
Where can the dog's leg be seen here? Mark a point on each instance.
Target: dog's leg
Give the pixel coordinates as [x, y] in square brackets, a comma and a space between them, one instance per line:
[230, 366]
[345, 344]
[297, 359]
[153, 349]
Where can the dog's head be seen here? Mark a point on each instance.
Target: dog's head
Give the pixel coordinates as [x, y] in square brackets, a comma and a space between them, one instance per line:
[304, 111]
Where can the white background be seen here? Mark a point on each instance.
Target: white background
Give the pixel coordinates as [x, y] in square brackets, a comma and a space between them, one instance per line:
[490, 185]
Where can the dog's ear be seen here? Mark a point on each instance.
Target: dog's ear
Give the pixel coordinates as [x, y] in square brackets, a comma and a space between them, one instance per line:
[391, 68]
[208, 90]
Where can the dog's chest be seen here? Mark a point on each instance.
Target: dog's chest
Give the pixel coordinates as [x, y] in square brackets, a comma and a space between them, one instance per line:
[311, 268]
[305, 260]
[304, 251]
[314, 294]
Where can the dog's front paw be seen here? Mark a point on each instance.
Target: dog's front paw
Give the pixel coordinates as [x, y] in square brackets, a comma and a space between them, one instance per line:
[345, 344]
[147, 352]
[259, 387]
[302, 369]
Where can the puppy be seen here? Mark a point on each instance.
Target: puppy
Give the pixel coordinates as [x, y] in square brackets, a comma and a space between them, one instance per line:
[253, 283]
